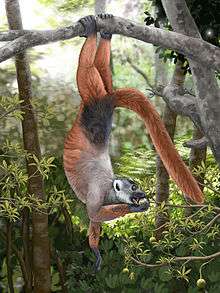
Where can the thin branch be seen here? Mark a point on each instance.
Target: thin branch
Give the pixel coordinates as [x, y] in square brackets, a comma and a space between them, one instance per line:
[193, 48]
[178, 259]
[208, 225]
[61, 270]
[198, 206]
[19, 257]
[141, 72]
[9, 112]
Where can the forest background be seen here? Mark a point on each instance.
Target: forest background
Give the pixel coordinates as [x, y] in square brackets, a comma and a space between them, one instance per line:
[172, 248]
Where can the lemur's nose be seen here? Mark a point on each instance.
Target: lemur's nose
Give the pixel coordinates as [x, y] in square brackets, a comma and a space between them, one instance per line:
[139, 194]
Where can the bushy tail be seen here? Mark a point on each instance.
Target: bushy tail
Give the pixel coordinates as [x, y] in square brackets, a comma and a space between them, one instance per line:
[134, 100]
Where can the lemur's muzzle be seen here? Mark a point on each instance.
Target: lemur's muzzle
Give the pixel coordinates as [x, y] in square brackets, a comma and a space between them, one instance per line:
[139, 198]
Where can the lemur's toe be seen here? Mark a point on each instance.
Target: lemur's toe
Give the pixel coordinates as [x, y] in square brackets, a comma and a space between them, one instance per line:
[105, 15]
[89, 24]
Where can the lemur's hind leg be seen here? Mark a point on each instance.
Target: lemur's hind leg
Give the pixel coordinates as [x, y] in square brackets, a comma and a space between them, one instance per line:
[102, 58]
[89, 81]
[94, 234]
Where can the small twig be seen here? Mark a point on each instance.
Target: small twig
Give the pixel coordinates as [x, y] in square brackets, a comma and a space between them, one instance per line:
[9, 112]
[190, 206]
[207, 226]
[140, 71]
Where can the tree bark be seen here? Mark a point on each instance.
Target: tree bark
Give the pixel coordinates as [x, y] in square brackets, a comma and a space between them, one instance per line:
[169, 118]
[197, 156]
[9, 256]
[207, 90]
[40, 241]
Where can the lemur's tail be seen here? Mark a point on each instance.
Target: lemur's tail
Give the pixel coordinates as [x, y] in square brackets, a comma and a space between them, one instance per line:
[134, 100]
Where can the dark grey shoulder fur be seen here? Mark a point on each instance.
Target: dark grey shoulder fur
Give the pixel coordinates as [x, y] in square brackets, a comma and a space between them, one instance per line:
[96, 119]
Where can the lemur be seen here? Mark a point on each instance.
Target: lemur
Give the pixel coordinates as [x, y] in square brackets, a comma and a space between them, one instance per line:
[87, 162]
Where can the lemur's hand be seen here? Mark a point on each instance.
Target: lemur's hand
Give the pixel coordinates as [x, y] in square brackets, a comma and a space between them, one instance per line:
[89, 24]
[98, 260]
[139, 208]
[104, 34]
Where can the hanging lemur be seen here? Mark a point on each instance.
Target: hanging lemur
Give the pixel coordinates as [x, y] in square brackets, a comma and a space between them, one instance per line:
[86, 156]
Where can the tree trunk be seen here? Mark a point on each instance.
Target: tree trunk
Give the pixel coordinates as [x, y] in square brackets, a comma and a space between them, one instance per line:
[40, 241]
[169, 119]
[9, 255]
[197, 156]
[207, 90]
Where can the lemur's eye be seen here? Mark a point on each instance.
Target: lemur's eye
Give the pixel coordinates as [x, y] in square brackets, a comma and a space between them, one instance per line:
[133, 187]
[117, 187]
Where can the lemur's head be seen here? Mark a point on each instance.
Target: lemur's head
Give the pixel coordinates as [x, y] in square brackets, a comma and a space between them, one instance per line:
[127, 191]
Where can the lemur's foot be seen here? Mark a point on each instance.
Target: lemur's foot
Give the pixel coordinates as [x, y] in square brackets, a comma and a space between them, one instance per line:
[139, 208]
[104, 34]
[89, 24]
[98, 259]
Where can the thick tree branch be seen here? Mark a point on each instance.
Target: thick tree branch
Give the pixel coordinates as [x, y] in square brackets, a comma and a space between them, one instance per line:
[196, 49]
[182, 103]
[200, 143]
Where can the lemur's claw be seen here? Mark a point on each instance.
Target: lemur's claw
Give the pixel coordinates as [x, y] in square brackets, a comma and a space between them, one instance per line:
[98, 259]
[139, 208]
[104, 34]
[89, 24]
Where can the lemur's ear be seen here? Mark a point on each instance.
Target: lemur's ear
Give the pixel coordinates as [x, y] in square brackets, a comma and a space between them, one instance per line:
[117, 184]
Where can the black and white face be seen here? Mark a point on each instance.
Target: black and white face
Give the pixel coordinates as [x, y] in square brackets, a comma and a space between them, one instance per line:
[128, 192]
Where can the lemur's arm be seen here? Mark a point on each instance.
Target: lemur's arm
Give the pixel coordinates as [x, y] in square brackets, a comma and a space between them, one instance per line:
[123, 191]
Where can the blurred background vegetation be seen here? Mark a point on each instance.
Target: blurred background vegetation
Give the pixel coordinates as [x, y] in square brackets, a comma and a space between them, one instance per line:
[130, 244]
